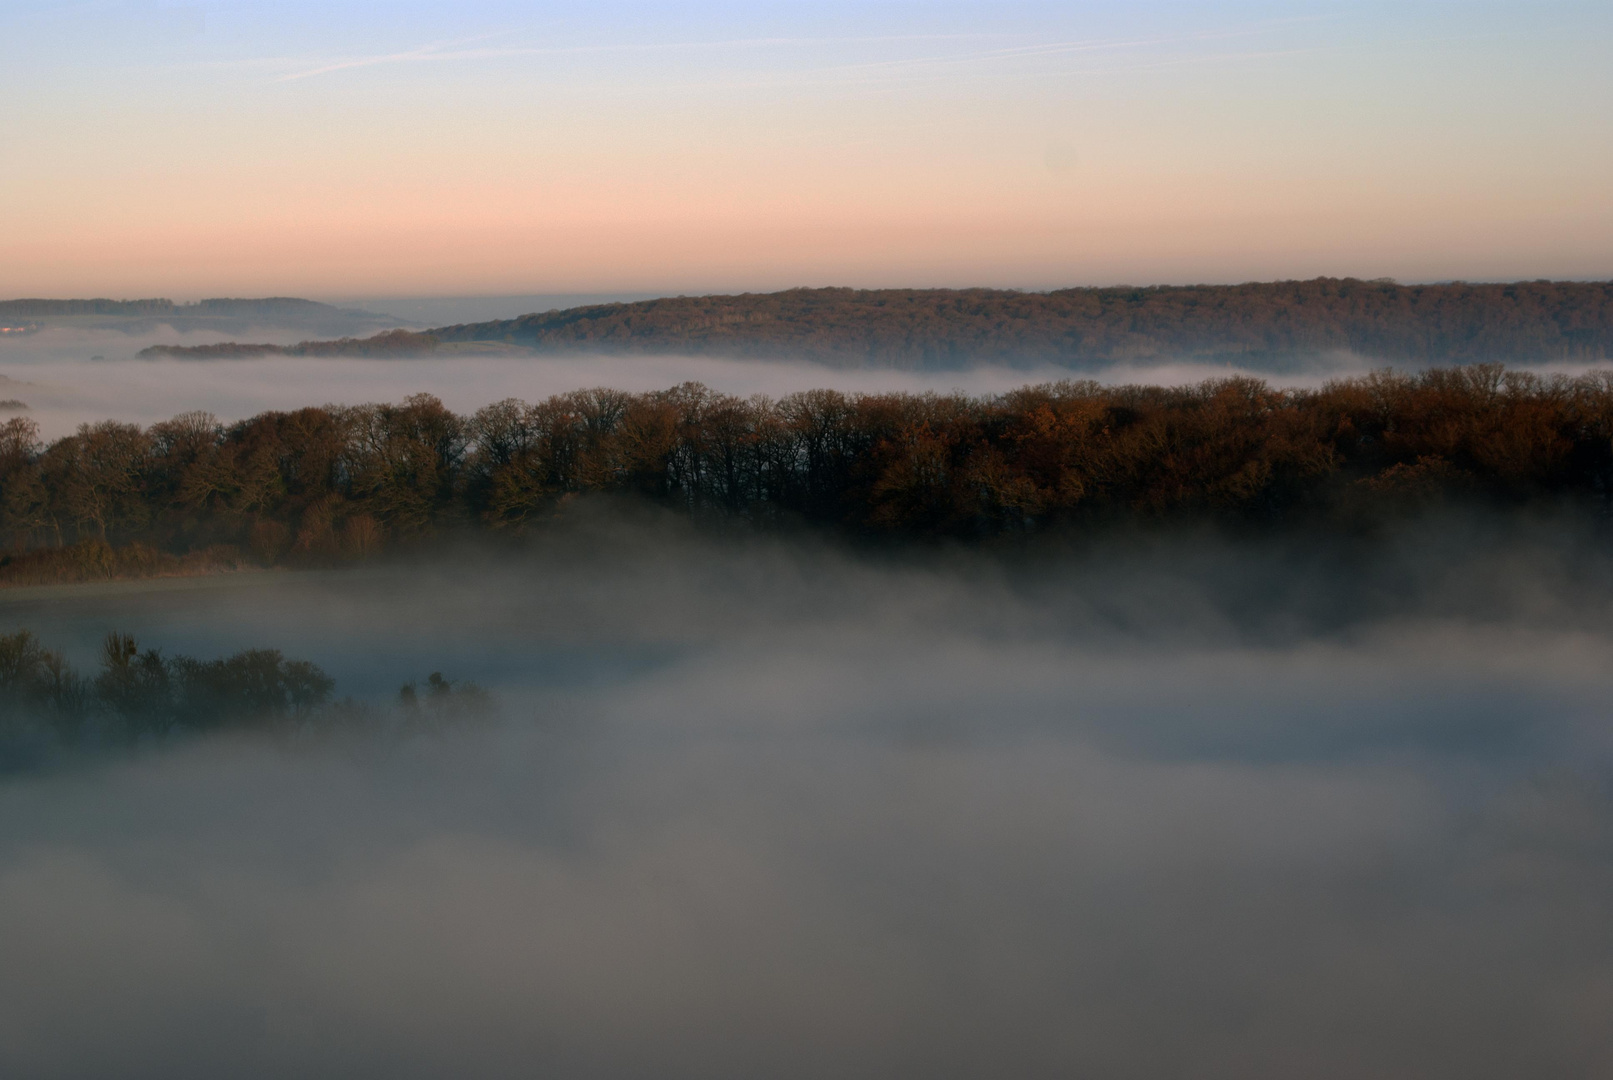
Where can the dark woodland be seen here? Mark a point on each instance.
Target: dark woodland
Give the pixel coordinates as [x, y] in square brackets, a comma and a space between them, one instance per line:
[323, 485]
[1278, 324]
[139, 696]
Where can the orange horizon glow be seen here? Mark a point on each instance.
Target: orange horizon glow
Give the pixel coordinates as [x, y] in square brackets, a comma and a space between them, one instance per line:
[1245, 149]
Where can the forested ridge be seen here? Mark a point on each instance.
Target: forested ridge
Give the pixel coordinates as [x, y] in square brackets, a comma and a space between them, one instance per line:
[1281, 323]
[320, 485]
[388, 343]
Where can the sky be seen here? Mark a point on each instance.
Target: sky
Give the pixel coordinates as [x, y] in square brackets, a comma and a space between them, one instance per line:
[343, 149]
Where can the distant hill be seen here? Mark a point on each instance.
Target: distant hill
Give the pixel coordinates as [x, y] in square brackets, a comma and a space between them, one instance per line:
[223, 315]
[269, 307]
[1277, 325]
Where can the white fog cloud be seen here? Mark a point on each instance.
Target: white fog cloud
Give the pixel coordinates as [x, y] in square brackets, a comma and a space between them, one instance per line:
[762, 808]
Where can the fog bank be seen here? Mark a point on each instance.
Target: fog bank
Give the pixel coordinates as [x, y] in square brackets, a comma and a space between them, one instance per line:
[764, 807]
[63, 393]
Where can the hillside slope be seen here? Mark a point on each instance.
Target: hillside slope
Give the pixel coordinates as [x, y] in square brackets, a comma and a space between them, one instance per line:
[1279, 324]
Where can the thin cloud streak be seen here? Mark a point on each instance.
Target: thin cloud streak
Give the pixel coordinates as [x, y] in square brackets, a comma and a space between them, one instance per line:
[442, 51]
[433, 53]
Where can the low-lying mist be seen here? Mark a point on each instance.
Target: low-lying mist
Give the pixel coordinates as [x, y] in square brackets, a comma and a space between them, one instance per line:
[54, 376]
[762, 806]
[62, 394]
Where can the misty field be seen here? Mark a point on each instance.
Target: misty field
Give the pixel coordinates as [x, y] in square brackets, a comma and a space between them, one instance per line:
[766, 806]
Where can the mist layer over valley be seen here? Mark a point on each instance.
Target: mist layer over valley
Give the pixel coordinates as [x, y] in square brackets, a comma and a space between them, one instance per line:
[1137, 806]
[62, 378]
[242, 357]
[62, 394]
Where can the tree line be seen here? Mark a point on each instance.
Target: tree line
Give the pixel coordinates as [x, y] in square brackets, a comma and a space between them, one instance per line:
[393, 344]
[320, 485]
[141, 696]
[1267, 323]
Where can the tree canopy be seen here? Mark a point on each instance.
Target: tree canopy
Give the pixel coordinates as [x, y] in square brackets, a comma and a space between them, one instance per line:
[327, 484]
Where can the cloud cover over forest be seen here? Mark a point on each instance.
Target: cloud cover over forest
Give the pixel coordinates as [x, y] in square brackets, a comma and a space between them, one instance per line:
[1160, 807]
